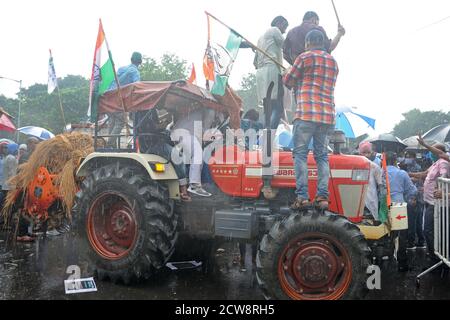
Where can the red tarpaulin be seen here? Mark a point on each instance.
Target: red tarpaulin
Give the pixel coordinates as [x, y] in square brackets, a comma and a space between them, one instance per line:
[176, 96]
[6, 124]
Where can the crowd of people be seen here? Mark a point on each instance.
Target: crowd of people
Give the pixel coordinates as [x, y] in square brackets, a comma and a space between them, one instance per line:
[413, 180]
[12, 156]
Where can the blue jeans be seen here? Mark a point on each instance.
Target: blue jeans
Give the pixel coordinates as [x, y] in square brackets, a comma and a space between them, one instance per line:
[304, 131]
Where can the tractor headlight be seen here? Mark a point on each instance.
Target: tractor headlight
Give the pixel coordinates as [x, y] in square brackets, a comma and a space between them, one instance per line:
[360, 175]
[158, 167]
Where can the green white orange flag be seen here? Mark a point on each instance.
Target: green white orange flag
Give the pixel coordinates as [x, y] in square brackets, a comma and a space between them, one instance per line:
[221, 52]
[102, 72]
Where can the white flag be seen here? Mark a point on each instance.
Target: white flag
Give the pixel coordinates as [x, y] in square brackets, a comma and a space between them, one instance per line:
[52, 81]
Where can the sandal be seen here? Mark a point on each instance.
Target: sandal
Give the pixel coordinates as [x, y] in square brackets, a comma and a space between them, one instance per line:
[25, 239]
[185, 197]
[300, 204]
[321, 203]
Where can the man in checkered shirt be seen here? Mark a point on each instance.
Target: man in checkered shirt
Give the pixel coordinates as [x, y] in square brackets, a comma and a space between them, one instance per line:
[313, 77]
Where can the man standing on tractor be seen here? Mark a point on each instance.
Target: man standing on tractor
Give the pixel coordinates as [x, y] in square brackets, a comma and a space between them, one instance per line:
[267, 71]
[313, 76]
[294, 45]
[125, 75]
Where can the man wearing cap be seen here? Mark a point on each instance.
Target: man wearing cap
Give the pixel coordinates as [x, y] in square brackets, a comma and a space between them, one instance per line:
[294, 45]
[22, 150]
[32, 142]
[126, 75]
[313, 77]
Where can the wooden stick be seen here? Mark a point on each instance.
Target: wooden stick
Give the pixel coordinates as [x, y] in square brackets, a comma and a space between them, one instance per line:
[248, 41]
[335, 11]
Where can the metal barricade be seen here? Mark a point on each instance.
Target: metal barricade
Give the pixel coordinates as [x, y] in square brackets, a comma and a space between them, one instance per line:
[441, 227]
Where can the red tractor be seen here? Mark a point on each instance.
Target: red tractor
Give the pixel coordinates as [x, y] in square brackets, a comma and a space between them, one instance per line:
[131, 220]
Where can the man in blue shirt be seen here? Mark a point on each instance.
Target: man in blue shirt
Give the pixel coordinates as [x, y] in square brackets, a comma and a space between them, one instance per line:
[130, 73]
[402, 191]
[125, 75]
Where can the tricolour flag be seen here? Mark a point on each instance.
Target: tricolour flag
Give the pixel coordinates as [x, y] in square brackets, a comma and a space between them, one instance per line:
[52, 80]
[102, 72]
[193, 76]
[219, 58]
[385, 194]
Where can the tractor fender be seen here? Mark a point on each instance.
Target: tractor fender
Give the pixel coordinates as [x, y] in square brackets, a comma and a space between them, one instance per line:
[144, 161]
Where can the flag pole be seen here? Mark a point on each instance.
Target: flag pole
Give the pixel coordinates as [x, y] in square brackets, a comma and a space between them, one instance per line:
[61, 107]
[248, 41]
[59, 92]
[122, 102]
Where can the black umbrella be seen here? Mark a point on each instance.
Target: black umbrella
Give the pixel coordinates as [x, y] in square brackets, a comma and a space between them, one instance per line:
[388, 142]
[439, 134]
[413, 144]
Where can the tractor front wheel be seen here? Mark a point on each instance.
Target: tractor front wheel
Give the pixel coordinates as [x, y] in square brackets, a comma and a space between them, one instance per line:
[313, 256]
[126, 223]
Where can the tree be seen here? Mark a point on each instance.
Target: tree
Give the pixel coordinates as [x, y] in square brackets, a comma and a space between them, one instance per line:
[417, 121]
[170, 68]
[43, 110]
[248, 92]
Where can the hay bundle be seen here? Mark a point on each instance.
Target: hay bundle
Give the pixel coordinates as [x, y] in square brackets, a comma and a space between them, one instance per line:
[60, 156]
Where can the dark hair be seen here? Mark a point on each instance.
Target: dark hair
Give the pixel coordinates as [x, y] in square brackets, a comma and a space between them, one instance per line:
[391, 157]
[252, 114]
[310, 15]
[315, 37]
[278, 20]
[136, 57]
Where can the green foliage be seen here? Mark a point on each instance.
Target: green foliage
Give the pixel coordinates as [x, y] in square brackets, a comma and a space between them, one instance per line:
[416, 121]
[170, 68]
[248, 92]
[38, 108]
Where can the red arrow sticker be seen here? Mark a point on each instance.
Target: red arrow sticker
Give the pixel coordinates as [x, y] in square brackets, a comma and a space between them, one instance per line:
[400, 218]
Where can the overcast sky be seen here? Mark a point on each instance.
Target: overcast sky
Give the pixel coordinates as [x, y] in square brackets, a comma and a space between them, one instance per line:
[389, 63]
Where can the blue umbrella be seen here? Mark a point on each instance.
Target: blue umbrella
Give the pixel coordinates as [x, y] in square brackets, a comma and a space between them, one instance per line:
[353, 124]
[37, 132]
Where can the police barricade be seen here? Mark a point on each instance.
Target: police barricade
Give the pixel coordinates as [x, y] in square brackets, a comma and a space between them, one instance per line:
[441, 227]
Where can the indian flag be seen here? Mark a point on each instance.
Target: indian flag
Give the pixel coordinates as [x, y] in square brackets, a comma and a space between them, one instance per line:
[221, 52]
[102, 72]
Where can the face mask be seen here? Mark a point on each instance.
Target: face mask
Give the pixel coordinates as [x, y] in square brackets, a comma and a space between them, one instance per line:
[409, 161]
[434, 158]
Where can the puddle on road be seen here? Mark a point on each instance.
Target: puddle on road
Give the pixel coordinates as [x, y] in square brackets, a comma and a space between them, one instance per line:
[37, 271]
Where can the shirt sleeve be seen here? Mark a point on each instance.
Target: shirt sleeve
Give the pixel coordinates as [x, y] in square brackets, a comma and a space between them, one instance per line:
[292, 77]
[327, 40]
[287, 48]
[278, 37]
[444, 169]
[409, 187]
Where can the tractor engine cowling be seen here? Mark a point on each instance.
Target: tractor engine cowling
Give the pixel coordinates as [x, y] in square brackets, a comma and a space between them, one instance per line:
[239, 174]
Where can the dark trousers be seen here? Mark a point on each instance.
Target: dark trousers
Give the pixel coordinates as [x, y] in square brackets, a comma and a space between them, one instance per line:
[415, 224]
[428, 228]
[402, 257]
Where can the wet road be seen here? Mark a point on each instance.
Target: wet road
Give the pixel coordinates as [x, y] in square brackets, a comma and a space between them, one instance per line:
[37, 271]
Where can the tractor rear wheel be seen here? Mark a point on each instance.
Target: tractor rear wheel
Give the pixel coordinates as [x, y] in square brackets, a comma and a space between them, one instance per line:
[313, 256]
[125, 222]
